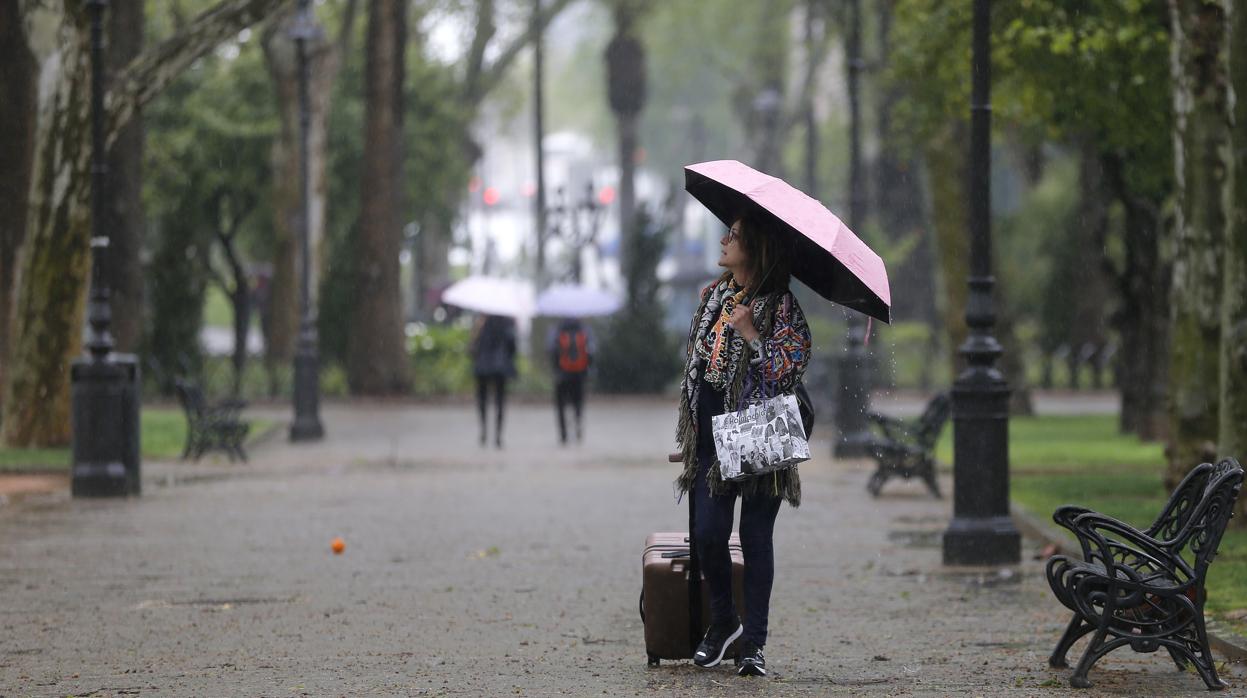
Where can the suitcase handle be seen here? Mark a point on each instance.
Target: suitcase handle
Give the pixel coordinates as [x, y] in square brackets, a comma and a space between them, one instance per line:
[673, 554]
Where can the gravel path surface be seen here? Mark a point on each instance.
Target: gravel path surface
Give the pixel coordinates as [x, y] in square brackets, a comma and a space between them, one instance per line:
[479, 572]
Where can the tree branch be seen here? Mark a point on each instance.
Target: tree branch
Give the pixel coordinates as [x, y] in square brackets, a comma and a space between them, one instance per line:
[491, 76]
[485, 30]
[153, 70]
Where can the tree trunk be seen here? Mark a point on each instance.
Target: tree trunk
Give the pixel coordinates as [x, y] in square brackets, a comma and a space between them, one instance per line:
[1142, 316]
[324, 60]
[1202, 162]
[17, 118]
[123, 215]
[1232, 432]
[946, 163]
[55, 260]
[377, 362]
[626, 91]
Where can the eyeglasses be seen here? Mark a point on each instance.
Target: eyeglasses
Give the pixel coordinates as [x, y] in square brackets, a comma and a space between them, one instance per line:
[733, 234]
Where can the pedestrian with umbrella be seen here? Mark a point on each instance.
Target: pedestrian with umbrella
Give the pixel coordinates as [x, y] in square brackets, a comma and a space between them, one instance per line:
[749, 340]
[493, 343]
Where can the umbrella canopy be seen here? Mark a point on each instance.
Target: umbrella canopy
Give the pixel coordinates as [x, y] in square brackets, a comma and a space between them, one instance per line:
[827, 256]
[574, 300]
[492, 296]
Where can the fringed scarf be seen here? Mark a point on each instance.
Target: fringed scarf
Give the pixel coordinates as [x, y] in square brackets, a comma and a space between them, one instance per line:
[727, 360]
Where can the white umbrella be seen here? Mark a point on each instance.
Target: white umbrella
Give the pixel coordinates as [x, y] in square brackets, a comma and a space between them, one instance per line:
[492, 296]
[572, 300]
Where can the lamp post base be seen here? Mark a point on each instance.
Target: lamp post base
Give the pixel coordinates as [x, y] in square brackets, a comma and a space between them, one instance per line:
[105, 429]
[990, 540]
[306, 426]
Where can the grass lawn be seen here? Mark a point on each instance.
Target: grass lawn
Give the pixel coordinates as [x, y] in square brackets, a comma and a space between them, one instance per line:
[1083, 460]
[162, 432]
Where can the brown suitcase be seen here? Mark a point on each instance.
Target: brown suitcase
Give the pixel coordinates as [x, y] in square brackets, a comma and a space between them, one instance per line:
[665, 596]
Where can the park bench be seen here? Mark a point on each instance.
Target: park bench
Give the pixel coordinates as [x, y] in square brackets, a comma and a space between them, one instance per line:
[1145, 588]
[215, 426]
[906, 448]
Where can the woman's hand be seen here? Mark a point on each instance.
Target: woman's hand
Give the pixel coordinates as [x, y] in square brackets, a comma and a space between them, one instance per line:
[741, 320]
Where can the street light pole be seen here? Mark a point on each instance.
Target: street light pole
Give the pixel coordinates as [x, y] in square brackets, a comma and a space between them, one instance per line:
[306, 425]
[105, 413]
[854, 399]
[981, 531]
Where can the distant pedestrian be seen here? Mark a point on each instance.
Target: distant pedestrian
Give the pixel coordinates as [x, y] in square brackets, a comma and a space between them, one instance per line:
[493, 363]
[748, 337]
[571, 353]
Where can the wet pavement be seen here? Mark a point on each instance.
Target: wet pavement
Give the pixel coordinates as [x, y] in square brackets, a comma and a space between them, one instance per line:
[479, 572]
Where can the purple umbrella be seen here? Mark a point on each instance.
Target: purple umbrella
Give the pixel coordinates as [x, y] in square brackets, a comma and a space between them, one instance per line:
[827, 256]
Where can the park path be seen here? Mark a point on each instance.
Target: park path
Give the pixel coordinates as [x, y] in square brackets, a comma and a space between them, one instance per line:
[480, 572]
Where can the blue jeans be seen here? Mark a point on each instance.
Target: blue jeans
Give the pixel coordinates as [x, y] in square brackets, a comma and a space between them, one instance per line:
[712, 527]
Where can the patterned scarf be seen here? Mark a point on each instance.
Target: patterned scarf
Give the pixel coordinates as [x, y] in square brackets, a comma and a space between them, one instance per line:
[713, 347]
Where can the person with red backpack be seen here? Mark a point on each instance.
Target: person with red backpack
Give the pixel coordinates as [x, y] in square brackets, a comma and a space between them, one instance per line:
[571, 353]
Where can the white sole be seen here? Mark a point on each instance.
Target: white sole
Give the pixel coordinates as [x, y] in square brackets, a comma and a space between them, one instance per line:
[740, 630]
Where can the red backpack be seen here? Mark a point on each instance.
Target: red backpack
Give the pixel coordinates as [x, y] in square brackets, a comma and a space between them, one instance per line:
[573, 351]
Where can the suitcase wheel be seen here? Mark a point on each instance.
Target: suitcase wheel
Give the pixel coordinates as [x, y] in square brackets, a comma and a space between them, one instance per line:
[654, 660]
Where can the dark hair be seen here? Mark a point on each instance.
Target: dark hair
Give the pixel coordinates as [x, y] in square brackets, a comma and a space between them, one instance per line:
[769, 251]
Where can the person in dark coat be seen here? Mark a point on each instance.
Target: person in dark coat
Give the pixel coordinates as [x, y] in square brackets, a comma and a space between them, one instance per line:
[493, 362]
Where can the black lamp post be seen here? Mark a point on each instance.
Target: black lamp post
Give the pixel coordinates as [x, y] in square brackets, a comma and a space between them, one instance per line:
[853, 432]
[105, 393]
[306, 426]
[981, 531]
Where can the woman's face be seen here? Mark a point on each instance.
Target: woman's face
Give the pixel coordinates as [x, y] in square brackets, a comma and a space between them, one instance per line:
[732, 250]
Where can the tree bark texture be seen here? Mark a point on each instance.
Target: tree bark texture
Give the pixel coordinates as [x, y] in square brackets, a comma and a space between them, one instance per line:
[55, 258]
[1232, 432]
[17, 119]
[123, 215]
[1202, 161]
[377, 360]
[323, 61]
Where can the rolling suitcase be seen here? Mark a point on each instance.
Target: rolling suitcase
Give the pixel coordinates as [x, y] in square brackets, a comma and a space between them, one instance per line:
[673, 610]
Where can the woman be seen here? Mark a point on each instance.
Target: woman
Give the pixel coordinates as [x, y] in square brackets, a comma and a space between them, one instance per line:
[493, 363]
[748, 339]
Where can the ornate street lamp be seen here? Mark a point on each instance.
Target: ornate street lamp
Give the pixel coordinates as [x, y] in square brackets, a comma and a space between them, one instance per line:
[306, 426]
[981, 531]
[853, 434]
[105, 385]
[577, 224]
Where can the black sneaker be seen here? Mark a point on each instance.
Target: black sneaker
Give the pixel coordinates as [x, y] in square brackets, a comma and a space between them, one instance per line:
[752, 663]
[710, 652]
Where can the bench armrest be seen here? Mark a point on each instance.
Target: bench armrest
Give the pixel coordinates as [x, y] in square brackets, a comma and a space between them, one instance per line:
[1129, 554]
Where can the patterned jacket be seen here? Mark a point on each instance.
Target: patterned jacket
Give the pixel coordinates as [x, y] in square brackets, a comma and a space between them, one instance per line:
[772, 365]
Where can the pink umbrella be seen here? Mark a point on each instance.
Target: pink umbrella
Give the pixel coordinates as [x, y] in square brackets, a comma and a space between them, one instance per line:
[827, 256]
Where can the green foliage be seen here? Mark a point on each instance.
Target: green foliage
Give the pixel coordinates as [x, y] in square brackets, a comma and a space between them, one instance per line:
[440, 364]
[636, 354]
[206, 169]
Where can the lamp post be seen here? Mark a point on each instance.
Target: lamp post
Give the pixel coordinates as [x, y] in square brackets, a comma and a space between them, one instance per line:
[981, 531]
[538, 137]
[105, 411]
[853, 435]
[306, 425]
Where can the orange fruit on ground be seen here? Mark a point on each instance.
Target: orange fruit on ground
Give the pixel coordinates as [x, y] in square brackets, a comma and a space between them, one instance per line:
[338, 546]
